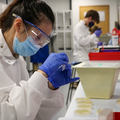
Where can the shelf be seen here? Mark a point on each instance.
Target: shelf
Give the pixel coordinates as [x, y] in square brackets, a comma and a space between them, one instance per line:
[64, 31]
[60, 31]
[64, 51]
[68, 31]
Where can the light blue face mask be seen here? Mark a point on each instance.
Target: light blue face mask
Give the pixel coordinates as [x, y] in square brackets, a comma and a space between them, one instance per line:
[26, 48]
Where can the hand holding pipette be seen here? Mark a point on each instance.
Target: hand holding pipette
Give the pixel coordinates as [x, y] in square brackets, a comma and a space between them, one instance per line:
[53, 62]
[62, 76]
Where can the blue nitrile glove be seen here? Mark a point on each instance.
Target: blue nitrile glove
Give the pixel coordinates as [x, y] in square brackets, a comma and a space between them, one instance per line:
[98, 33]
[53, 62]
[99, 43]
[59, 77]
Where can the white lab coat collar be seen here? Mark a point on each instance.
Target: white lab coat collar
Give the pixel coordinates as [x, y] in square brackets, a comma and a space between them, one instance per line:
[83, 24]
[5, 52]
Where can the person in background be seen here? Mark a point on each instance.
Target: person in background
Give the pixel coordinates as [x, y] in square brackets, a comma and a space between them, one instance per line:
[93, 29]
[26, 26]
[94, 46]
[83, 39]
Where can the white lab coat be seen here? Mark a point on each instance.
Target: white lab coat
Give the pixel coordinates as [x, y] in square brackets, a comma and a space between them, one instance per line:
[83, 42]
[22, 98]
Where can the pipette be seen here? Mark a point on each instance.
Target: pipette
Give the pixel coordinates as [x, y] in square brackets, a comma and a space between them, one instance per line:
[63, 67]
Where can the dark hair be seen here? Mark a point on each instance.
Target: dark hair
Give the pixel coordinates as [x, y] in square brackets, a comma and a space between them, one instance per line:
[93, 29]
[94, 14]
[34, 11]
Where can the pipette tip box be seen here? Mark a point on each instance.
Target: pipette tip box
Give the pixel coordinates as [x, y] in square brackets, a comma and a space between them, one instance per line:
[106, 114]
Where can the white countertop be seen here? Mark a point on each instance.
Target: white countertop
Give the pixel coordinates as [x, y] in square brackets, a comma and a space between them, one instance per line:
[98, 103]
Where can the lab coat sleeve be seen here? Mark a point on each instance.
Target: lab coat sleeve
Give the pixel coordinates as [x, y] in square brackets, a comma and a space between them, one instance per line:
[21, 102]
[94, 44]
[52, 103]
[83, 38]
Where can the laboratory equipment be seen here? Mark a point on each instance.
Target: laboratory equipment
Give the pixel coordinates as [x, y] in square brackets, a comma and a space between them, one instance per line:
[63, 28]
[106, 114]
[106, 53]
[115, 36]
[99, 28]
[116, 115]
[109, 48]
[105, 38]
[98, 79]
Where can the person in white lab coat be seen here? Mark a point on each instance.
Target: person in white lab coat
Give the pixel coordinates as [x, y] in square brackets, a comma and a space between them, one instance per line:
[94, 46]
[83, 40]
[25, 28]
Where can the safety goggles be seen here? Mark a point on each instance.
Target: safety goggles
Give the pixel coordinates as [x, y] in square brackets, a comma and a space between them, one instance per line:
[37, 34]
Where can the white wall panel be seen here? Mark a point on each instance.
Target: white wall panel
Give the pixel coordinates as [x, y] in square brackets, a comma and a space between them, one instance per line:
[58, 4]
[4, 1]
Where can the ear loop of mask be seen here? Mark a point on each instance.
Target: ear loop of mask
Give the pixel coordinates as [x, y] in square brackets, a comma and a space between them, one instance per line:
[26, 30]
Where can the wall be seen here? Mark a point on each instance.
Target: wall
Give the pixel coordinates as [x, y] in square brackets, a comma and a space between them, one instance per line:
[55, 4]
[4, 1]
[112, 9]
[118, 1]
[58, 4]
[118, 4]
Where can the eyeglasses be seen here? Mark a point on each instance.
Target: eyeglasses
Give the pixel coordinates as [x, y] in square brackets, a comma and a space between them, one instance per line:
[37, 34]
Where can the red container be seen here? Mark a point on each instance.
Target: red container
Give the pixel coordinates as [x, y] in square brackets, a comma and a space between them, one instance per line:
[116, 115]
[104, 56]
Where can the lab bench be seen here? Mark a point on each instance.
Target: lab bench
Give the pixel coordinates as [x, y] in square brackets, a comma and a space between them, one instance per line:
[97, 103]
